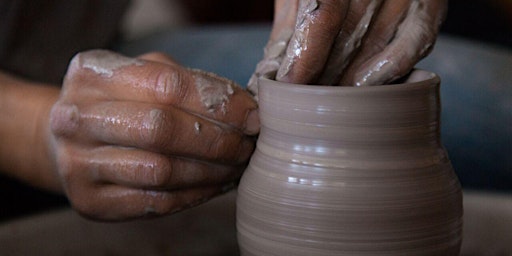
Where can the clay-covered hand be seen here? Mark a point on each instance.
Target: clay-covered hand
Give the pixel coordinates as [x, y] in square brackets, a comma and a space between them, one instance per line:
[349, 42]
[145, 136]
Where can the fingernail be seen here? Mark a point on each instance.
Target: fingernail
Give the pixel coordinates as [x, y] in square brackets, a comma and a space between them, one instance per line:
[252, 123]
[64, 119]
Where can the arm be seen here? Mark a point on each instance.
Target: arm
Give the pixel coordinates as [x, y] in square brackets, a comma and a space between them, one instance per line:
[354, 43]
[24, 147]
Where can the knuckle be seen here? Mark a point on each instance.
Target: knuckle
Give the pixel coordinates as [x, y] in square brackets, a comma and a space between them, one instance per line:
[161, 173]
[378, 42]
[75, 66]
[64, 119]
[102, 63]
[156, 127]
[76, 74]
[168, 86]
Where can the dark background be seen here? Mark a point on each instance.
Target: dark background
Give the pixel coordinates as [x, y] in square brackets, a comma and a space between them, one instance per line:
[483, 20]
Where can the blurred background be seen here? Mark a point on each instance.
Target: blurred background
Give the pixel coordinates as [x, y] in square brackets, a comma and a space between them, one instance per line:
[473, 57]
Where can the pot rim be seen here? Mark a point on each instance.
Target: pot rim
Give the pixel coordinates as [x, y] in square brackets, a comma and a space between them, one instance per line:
[416, 79]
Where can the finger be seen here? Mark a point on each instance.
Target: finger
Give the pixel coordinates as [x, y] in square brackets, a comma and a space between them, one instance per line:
[130, 79]
[346, 45]
[146, 170]
[413, 41]
[160, 129]
[158, 57]
[318, 23]
[116, 203]
[379, 35]
[285, 15]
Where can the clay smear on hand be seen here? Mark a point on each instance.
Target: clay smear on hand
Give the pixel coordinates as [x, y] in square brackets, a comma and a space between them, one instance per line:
[197, 127]
[105, 62]
[273, 56]
[275, 50]
[413, 33]
[214, 91]
[298, 43]
[345, 46]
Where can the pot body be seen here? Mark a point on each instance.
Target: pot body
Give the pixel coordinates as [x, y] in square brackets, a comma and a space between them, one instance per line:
[350, 171]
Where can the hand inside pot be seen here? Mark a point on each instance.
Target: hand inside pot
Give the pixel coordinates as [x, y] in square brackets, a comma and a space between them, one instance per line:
[146, 136]
[353, 43]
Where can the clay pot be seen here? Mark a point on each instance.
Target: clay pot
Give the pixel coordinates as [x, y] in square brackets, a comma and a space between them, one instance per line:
[350, 171]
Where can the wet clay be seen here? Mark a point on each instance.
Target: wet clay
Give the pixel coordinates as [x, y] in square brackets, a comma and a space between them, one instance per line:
[197, 127]
[275, 49]
[273, 56]
[105, 62]
[214, 91]
[350, 171]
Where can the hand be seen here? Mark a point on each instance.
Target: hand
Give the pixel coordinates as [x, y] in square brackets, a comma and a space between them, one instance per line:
[343, 42]
[145, 136]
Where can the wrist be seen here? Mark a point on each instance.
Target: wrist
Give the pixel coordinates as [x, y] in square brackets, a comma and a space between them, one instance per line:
[26, 152]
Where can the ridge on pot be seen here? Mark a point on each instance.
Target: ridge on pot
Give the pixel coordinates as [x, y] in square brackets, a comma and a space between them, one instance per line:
[350, 171]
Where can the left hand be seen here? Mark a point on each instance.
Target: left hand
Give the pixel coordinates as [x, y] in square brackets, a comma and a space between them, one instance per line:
[348, 42]
[147, 137]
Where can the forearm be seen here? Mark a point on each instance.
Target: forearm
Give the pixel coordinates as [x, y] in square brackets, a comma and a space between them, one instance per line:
[25, 151]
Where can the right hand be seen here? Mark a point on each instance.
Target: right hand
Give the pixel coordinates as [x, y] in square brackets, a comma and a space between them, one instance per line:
[348, 42]
[143, 137]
